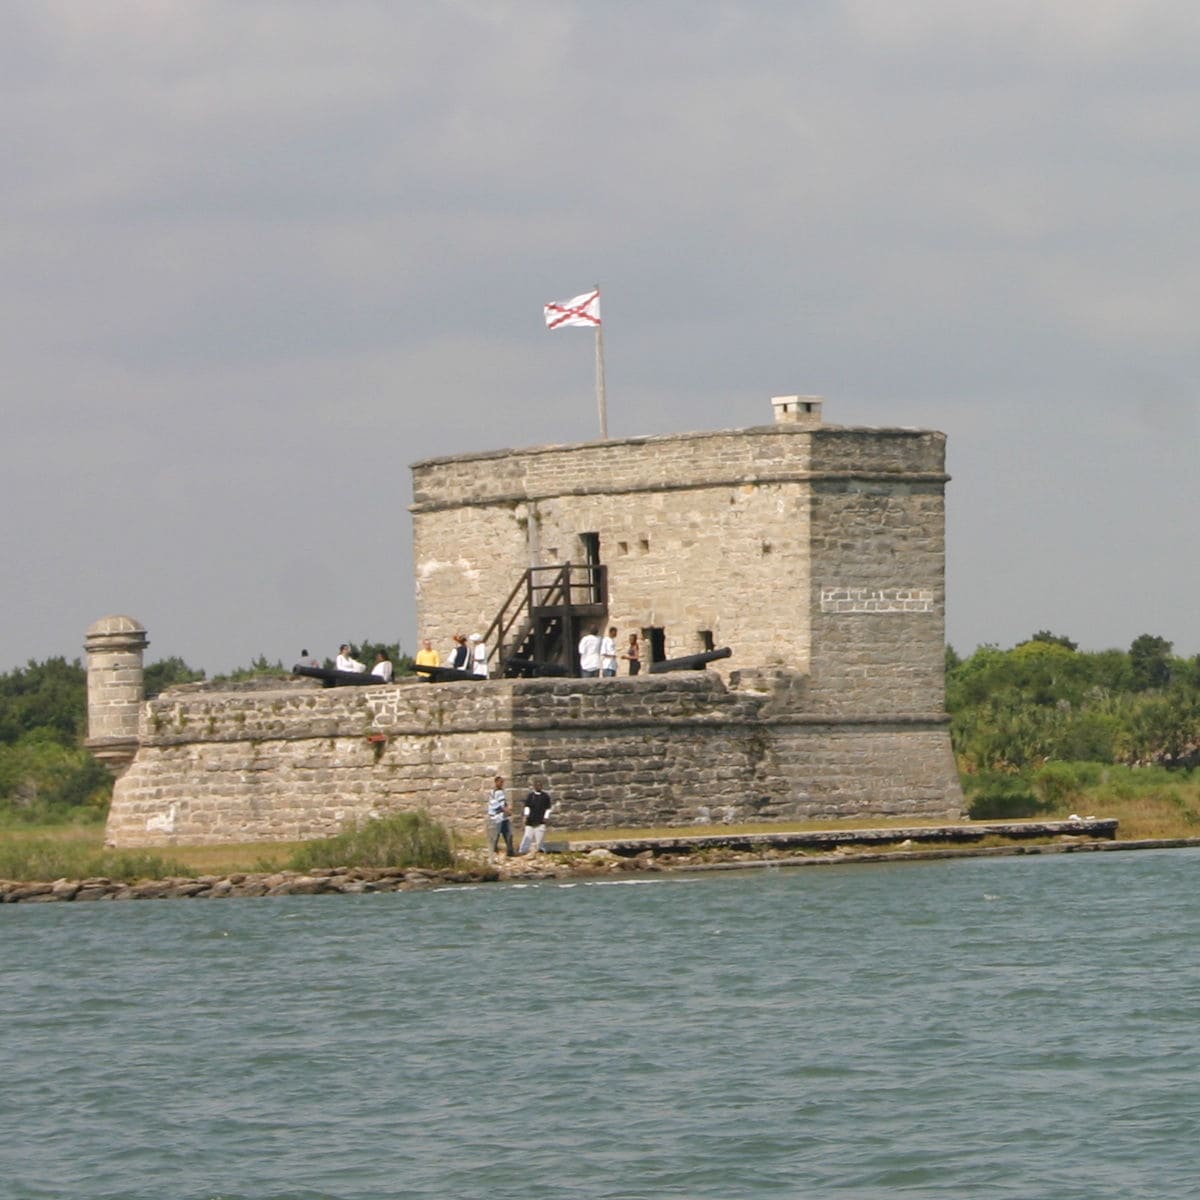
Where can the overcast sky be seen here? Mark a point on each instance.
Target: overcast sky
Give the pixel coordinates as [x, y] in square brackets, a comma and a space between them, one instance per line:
[256, 258]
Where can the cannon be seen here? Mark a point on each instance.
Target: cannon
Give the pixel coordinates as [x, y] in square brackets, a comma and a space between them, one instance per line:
[445, 674]
[689, 662]
[331, 678]
[516, 667]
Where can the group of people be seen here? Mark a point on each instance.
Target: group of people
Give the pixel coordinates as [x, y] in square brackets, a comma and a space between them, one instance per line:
[598, 656]
[345, 661]
[469, 654]
[499, 818]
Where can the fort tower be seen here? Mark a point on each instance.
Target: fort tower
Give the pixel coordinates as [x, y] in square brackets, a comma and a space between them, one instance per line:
[114, 647]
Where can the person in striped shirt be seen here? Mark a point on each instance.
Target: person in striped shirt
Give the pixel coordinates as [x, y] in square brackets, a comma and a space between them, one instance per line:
[499, 824]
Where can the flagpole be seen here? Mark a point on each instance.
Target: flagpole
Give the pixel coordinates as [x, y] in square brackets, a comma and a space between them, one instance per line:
[600, 397]
[584, 310]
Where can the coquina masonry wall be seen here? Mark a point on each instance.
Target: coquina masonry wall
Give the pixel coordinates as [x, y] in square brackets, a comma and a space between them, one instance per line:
[718, 532]
[220, 766]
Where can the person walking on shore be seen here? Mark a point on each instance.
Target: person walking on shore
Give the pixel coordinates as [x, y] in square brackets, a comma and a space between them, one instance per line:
[537, 809]
[498, 823]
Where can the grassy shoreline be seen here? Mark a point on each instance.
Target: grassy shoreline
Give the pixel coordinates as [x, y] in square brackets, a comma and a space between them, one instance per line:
[50, 852]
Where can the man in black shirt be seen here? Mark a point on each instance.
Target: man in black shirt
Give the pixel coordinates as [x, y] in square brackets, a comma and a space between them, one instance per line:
[537, 809]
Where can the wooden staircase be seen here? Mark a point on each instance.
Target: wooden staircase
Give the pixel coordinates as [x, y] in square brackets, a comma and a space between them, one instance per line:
[538, 627]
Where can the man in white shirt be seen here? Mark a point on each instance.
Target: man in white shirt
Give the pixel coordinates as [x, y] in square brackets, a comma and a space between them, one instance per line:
[589, 654]
[479, 656]
[382, 670]
[348, 664]
[608, 653]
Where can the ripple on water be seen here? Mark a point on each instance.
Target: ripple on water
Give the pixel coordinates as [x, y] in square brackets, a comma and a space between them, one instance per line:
[1008, 1027]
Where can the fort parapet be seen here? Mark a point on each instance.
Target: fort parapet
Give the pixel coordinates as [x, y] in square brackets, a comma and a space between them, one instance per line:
[663, 750]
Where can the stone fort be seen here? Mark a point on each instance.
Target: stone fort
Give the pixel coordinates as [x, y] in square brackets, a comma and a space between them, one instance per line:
[814, 552]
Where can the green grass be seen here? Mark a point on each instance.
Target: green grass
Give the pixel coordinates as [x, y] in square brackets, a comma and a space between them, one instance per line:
[407, 839]
[1148, 803]
[71, 852]
[47, 858]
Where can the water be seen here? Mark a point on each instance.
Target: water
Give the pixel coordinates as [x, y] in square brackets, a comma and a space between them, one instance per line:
[974, 1028]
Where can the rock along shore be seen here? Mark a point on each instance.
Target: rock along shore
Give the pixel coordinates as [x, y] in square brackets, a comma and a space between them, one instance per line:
[476, 869]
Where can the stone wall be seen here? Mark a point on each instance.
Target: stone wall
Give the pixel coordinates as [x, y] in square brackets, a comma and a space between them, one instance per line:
[299, 763]
[878, 631]
[234, 767]
[709, 533]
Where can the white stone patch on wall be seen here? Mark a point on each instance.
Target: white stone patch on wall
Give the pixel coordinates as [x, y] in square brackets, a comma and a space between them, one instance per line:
[851, 600]
[162, 822]
[431, 566]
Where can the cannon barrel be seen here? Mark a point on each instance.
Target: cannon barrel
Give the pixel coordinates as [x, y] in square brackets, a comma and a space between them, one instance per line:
[689, 662]
[336, 678]
[445, 674]
[531, 668]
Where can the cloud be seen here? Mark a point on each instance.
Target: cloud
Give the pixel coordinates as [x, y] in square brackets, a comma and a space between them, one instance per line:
[259, 256]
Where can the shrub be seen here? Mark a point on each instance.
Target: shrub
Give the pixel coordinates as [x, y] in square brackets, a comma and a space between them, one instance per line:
[50, 696]
[995, 796]
[409, 839]
[42, 780]
[1087, 734]
[1060, 784]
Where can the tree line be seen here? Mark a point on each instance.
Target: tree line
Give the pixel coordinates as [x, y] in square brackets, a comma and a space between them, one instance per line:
[1045, 700]
[46, 774]
[1017, 717]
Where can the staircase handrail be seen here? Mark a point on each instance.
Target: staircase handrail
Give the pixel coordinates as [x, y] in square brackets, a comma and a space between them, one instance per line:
[560, 587]
[503, 623]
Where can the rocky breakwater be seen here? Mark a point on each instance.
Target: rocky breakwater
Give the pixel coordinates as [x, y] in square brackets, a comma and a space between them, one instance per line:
[581, 860]
[473, 868]
[319, 881]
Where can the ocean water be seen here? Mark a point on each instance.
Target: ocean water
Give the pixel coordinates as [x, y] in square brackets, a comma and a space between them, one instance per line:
[1017, 1027]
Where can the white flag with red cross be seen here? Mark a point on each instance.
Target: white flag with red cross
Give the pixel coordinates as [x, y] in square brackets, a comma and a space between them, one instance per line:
[580, 310]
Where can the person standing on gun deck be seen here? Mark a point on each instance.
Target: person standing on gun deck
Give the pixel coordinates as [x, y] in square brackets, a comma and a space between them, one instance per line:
[427, 656]
[633, 655]
[589, 654]
[479, 656]
[608, 653]
[346, 662]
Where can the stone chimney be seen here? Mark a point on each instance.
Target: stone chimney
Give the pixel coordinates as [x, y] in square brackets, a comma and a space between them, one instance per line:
[114, 648]
[804, 411]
